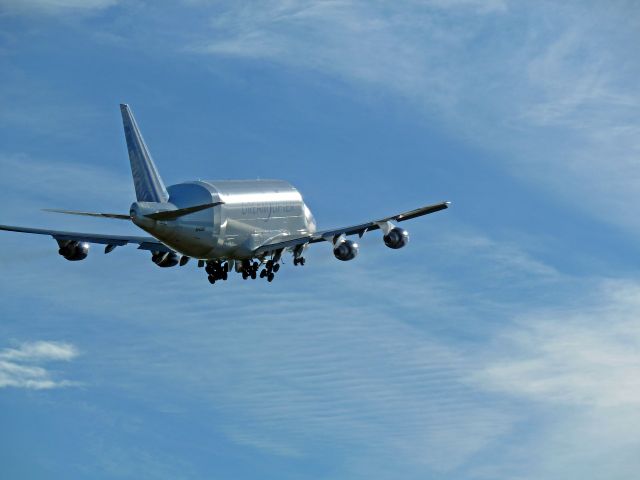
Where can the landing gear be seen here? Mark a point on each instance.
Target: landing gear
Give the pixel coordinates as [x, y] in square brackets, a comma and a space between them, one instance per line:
[270, 268]
[248, 269]
[299, 261]
[216, 270]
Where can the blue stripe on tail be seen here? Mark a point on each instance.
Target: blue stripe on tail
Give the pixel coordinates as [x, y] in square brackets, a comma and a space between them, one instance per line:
[147, 181]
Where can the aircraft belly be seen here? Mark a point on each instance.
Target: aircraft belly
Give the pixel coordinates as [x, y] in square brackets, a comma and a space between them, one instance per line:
[189, 245]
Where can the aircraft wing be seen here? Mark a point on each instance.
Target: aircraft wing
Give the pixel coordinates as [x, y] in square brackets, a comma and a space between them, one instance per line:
[144, 243]
[361, 229]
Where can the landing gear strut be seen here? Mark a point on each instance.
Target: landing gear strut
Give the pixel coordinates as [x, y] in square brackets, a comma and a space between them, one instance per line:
[298, 259]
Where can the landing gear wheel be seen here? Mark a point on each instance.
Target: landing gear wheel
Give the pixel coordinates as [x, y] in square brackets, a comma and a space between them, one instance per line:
[245, 275]
[276, 267]
[212, 279]
[301, 261]
[224, 275]
[270, 277]
[253, 274]
[263, 273]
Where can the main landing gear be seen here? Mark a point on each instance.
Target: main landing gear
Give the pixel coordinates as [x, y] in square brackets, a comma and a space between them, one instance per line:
[217, 271]
[249, 269]
[269, 270]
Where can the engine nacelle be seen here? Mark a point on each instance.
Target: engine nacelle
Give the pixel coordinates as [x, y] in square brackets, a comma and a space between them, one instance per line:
[165, 259]
[347, 250]
[73, 250]
[396, 238]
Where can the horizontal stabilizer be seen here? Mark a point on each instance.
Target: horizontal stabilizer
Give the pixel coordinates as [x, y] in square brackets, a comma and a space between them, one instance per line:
[89, 214]
[180, 212]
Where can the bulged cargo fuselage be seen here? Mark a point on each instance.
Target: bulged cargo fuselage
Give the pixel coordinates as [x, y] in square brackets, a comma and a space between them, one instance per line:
[251, 213]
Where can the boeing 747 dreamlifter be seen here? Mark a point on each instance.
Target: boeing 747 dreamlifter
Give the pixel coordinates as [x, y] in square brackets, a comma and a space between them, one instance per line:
[239, 225]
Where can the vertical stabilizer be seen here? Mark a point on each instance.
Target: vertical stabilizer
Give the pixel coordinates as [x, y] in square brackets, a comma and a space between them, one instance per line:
[147, 181]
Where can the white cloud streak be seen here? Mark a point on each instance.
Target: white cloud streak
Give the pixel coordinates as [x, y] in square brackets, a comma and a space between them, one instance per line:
[579, 368]
[550, 89]
[21, 367]
[49, 7]
[588, 356]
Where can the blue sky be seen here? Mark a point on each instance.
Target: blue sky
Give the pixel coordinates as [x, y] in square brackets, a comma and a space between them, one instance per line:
[501, 343]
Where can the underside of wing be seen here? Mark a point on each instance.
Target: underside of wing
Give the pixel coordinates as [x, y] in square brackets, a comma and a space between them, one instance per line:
[144, 243]
[361, 229]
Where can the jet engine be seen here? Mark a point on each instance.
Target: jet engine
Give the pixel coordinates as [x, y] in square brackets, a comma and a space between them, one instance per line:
[347, 250]
[396, 238]
[165, 259]
[73, 250]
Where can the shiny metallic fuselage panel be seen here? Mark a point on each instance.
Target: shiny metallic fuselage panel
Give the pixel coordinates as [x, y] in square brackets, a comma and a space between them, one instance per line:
[254, 212]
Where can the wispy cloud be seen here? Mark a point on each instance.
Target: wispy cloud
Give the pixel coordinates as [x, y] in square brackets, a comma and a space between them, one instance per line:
[32, 183]
[578, 366]
[320, 360]
[323, 359]
[551, 90]
[22, 367]
[54, 6]
[588, 355]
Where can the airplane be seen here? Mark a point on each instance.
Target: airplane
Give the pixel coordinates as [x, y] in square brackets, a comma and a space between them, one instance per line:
[228, 225]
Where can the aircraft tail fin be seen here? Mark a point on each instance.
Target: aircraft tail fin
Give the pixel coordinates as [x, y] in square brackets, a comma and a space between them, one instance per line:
[146, 179]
